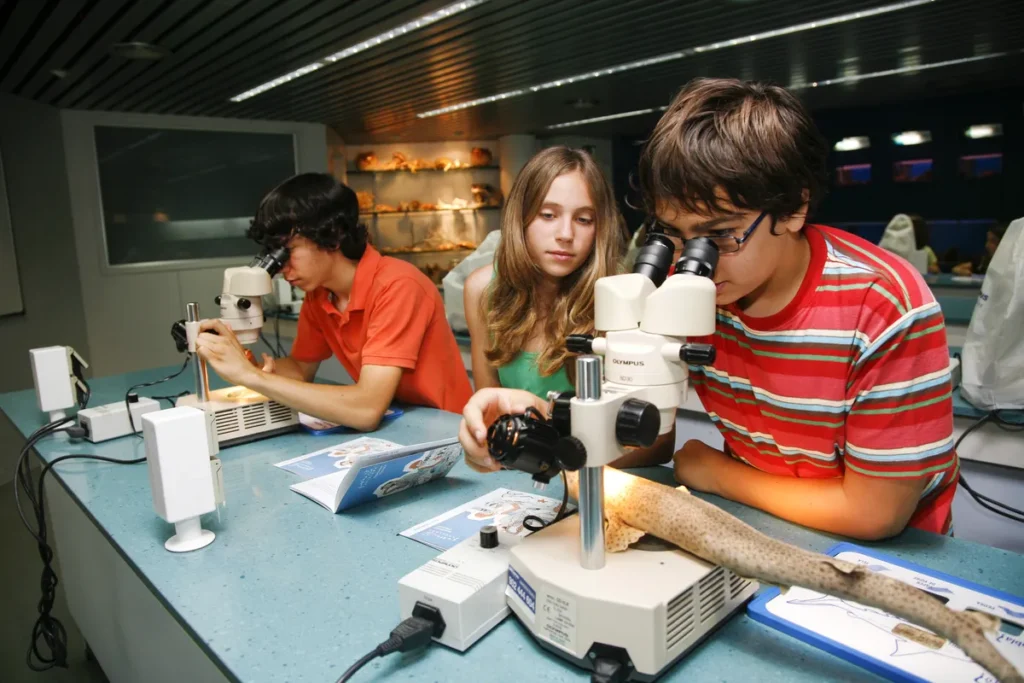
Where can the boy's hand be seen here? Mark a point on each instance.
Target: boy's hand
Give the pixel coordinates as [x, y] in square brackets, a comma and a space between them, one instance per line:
[484, 407]
[218, 346]
[268, 364]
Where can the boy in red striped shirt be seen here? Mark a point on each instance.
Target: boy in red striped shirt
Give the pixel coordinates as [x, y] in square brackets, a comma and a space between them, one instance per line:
[831, 385]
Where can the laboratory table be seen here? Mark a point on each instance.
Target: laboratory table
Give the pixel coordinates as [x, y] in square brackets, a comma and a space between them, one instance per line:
[291, 592]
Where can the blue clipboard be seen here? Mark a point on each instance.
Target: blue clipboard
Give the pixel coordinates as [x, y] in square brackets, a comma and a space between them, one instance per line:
[390, 414]
[757, 609]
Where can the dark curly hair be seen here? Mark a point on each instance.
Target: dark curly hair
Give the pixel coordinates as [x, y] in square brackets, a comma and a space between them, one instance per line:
[755, 141]
[315, 206]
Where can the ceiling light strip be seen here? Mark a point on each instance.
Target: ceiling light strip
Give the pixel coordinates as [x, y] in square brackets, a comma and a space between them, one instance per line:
[415, 24]
[816, 84]
[901, 70]
[681, 54]
[609, 117]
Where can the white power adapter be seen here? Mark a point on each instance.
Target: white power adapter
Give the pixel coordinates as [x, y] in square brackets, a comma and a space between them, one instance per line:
[111, 421]
[467, 586]
[57, 373]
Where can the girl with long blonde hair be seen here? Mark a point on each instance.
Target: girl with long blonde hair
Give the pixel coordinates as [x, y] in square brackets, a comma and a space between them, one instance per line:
[560, 232]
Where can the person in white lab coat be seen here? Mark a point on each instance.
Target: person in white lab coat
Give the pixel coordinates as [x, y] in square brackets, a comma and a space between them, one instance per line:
[907, 236]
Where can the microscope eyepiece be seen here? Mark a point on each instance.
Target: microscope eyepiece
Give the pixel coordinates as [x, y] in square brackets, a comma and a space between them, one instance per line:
[655, 258]
[271, 260]
[700, 257]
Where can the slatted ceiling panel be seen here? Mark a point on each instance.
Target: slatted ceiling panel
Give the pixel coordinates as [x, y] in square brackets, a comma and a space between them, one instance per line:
[389, 68]
[118, 28]
[495, 85]
[509, 62]
[371, 66]
[257, 48]
[340, 29]
[653, 86]
[17, 18]
[60, 21]
[114, 73]
[525, 33]
[139, 23]
[88, 34]
[223, 47]
[240, 38]
[192, 39]
[275, 46]
[195, 52]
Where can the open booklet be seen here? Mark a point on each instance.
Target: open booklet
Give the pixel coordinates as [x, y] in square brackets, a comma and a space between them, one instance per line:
[364, 469]
[504, 508]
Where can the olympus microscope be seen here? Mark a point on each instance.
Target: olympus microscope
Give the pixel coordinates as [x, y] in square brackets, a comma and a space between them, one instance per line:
[628, 615]
[237, 414]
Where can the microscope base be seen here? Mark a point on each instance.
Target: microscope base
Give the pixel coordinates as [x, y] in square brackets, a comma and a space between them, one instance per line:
[242, 415]
[646, 608]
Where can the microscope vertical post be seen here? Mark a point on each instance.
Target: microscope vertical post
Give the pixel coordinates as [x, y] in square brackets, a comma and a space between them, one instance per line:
[199, 370]
[588, 388]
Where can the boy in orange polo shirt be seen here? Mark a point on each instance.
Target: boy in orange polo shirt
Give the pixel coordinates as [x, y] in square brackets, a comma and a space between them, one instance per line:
[380, 316]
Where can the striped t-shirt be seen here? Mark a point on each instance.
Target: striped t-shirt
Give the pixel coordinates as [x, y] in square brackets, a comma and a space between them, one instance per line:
[852, 374]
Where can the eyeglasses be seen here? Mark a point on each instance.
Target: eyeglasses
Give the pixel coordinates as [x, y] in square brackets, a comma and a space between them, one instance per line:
[727, 244]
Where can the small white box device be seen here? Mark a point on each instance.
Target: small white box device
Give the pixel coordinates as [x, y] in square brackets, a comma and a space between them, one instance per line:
[466, 584]
[111, 421]
[240, 415]
[57, 373]
[178, 455]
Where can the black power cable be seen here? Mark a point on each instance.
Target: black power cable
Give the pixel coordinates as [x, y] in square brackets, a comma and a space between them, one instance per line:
[143, 385]
[535, 523]
[48, 631]
[413, 633]
[48, 647]
[991, 504]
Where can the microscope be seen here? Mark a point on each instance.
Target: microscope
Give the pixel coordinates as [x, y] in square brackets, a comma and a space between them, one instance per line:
[629, 615]
[237, 414]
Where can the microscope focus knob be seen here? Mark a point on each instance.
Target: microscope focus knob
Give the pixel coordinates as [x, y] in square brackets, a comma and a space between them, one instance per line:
[561, 411]
[579, 343]
[572, 454]
[697, 354]
[244, 304]
[637, 423]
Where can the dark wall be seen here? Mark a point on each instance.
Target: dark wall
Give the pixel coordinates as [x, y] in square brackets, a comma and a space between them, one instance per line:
[32, 145]
[625, 157]
[948, 196]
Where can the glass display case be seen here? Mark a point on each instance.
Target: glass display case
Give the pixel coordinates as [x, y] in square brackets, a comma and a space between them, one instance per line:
[182, 195]
[431, 213]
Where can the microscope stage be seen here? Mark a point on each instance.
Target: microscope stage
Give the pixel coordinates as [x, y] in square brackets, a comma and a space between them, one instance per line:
[654, 604]
[242, 415]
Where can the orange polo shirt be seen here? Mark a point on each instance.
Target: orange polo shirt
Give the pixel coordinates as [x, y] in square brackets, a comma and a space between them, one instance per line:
[395, 317]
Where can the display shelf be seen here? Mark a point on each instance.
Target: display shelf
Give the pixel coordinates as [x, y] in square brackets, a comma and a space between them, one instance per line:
[407, 251]
[428, 212]
[428, 170]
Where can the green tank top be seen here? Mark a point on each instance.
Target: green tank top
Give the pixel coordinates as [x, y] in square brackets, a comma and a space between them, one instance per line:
[522, 373]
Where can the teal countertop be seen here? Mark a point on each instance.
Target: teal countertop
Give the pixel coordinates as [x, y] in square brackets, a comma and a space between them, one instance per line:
[957, 310]
[955, 281]
[290, 592]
